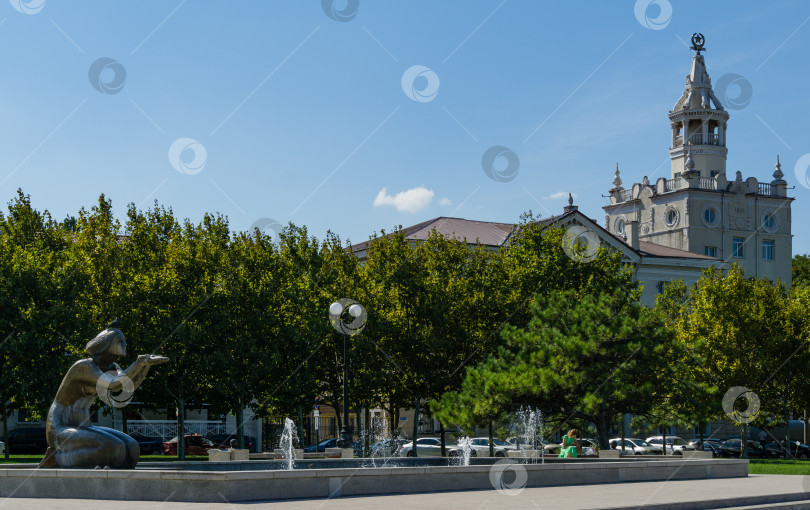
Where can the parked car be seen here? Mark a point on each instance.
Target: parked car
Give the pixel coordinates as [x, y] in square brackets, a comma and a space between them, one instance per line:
[715, 448]
[481, 447]
[432, 447]
[797, 449]
[635, 446]
[2, 448]
[30, 440]
[194, 445]
[732, 448]
[708, 445]
[224, 441]
[387, 447]
[322, 446]
[520, 443]
[149, 445]
[589, 446]
[675, 444]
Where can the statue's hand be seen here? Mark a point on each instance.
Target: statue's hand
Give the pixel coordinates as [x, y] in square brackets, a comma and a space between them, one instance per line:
[154, 359]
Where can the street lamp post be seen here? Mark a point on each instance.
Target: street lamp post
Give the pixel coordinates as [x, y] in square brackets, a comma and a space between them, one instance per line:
[349, 318]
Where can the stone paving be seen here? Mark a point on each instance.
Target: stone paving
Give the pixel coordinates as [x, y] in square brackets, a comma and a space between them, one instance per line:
[681, 494]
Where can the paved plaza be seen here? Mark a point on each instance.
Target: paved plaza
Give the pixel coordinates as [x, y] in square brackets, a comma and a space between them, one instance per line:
[682, 494]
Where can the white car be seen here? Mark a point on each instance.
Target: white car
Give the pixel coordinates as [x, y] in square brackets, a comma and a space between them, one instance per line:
[2, 448]
[675, 444]
[430, 447]
[635, 446]
[481, 447]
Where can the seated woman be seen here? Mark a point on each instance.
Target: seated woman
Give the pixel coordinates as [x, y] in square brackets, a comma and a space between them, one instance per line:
[72, 441]
[570, 444]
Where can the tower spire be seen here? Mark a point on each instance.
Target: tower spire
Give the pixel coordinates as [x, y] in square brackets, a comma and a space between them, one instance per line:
[777, 173]
[698, 121]
[617, 180]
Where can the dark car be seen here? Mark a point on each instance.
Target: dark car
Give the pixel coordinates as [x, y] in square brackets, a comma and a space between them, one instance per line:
[797, 449]
[322, 446]
[149, 445]
[224, 441]
[715, 447]
[194, 445]
[732, 448]
[30, 440]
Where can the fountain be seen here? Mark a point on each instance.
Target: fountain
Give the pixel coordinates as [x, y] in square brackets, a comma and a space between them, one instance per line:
[466, 450]
[287, 443]
[529, 427]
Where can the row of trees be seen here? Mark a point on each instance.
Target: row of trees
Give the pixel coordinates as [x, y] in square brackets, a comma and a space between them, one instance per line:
[589, 360]
[468, 333]
[243, 316]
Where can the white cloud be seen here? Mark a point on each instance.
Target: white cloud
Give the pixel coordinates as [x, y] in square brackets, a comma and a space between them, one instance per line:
[558, 195]
[411, 201]
[445, 201]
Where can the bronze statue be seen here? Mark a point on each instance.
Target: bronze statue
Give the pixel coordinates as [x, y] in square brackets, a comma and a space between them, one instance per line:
[72, 441]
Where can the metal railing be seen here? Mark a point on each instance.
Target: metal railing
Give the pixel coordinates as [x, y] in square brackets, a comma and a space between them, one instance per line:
[167, 429]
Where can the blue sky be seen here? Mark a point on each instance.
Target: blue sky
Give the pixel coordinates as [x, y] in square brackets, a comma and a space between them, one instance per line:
[300, 117]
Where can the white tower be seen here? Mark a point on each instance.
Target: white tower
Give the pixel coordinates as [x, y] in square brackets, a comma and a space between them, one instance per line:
[699, 210]
[698, 122]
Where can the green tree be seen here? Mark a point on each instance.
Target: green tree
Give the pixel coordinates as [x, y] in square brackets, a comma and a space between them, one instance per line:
[741, 332]
[584, 357]
[801, 270]
[38, 322]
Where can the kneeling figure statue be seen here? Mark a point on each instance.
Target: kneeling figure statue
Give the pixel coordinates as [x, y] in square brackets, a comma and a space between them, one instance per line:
[72, 441]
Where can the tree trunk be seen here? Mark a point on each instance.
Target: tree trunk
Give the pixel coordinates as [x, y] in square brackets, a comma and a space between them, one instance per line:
[124, 425]
[804, 428]
[367, 445]
[240, 424]
[339, 418]
[358, 418]
[300, 427]
[5, 426]
[181, 427]
[441, 435]
[743, 442]
[602, 431]
[491, 441]
[664, 438]
[787, 434]
[395, 423]
[415, 427]
[621, 425]
[391, 419]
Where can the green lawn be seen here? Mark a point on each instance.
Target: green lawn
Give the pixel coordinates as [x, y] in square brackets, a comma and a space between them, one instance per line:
[15, 459]
[778, 467]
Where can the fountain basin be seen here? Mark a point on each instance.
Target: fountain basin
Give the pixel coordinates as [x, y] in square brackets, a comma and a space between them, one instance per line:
[149, 484]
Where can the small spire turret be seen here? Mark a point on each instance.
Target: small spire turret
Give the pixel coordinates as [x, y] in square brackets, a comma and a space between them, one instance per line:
[777, 174]
[617, 180]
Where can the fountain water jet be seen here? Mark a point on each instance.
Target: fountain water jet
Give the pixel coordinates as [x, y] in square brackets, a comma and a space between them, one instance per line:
[287, 442]
[466, 450]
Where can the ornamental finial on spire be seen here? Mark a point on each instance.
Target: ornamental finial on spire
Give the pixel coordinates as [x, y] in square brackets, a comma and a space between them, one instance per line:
[617, 181]
[697, 42]
[777, 174]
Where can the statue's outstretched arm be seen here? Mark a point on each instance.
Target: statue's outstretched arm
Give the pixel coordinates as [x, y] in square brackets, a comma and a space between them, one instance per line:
[137, 371]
